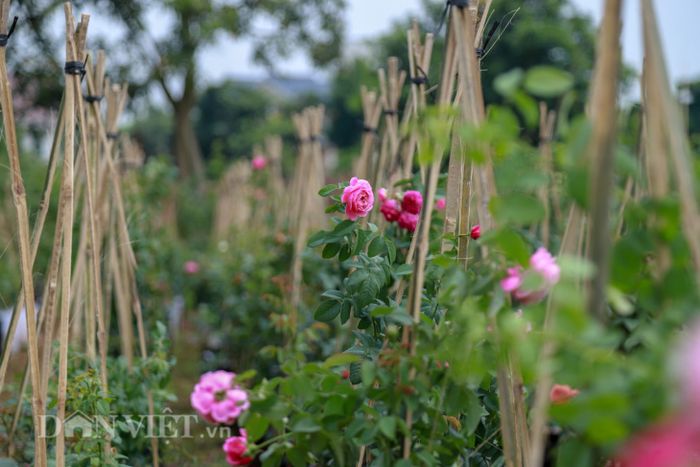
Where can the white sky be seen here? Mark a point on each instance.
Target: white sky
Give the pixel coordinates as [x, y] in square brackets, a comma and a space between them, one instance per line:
[679, 23]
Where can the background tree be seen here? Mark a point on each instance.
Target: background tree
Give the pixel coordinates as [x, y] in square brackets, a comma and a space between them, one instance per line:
[276, 27]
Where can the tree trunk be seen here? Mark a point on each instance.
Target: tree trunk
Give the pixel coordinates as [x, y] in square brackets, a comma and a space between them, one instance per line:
[188, 155]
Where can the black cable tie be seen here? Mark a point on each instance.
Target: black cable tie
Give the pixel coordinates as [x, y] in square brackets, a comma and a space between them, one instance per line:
[369, 129]
[90, 98]
[4, 38]
[113, 135]
[480, 51]
[458, 3]
[390, 112]
[418, 80]
[75, 68]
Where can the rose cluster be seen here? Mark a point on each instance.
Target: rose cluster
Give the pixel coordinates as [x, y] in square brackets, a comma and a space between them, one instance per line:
[218, 399]
[406, 213]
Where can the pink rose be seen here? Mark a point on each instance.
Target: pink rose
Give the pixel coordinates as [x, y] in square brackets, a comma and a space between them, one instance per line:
[562, 393]
[358, 198]
[674, 443]
[542, 264]
[217, 399]
[475, 232]
[391, 210]
[412, 202]
[235, 448]
[259, 162]
[191, 267]
[382, 194]
[440, 204]
[408, 221]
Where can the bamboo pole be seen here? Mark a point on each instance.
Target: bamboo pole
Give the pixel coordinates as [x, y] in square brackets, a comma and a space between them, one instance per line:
[21, 211]
[67, 200]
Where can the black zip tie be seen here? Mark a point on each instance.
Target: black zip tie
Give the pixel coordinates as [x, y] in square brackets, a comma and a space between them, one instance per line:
[113, 135]
[390, 112]
[418, 80]
[455, 3]
[4, 38]
[90, 99]
[75, 68]
[369, 129]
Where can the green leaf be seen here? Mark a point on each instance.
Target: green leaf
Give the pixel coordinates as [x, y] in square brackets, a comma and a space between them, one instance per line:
[403, 270]
[573, 453]
[381, 311]
[507, 83]
[340, 359]
[369, 372]
[509, 242]
[391, 249]
[345, 312]
[306, 425]
[547, 81]
[343, 228]
[345, 252]
[330, 250]
[327, 311]
[256, 425]
[376, 247]
[318, 239]
[387, 425]
[328, 189]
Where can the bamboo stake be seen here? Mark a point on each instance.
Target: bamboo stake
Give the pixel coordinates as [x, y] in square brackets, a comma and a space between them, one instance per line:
[670, 119]
[603, 114]
[67, 201]
[20, 202]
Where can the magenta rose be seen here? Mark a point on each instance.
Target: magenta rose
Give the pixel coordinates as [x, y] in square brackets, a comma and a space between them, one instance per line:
[440, 204]
[408, 221]
[542, 264]
[391, 210]
[259, 162]
[235, 448]
[412, 202]
[358, 198]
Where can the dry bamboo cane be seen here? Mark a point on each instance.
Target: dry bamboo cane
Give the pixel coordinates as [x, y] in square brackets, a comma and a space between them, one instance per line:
[547, 121]
[304, 133]
[372, 111]
[93, 248]
[670, 118]
[423, 230]
[601, 151]
[20, 202]
[37, 231]
[66, 255]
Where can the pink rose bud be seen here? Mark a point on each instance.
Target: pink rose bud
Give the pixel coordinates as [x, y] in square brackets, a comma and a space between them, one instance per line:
[191, 267]
[259, 162]
[562, 393]
[475, 232]
[391, 210]
[440, 204]
[408, 221]
[235, 448]
[382, 194]
[412, 202]
[358, 198]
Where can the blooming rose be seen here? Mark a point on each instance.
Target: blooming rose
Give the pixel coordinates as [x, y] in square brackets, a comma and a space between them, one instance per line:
[673, 443]
[561, 393]
[217, 399]
[391, 210]
[412, 202]
[259, 162]
[408, 221]
[358, 198]
[191, 267]
[475, 232]
[235, 448]
[542, 264]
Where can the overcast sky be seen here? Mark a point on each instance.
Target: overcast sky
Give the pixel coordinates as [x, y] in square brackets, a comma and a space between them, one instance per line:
[679, 23]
